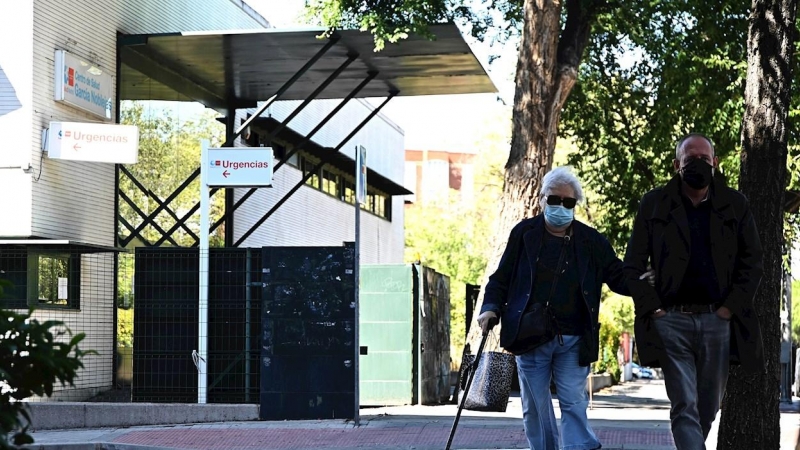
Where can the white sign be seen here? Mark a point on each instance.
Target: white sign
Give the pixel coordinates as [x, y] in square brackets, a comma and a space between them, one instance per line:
[239, 167]
[83, 85]
[361, 176]
[63, 288]
[97, 142]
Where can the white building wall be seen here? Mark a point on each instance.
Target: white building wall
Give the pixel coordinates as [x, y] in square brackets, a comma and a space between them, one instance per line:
[311, 217]
[16, 110]
[75, 200]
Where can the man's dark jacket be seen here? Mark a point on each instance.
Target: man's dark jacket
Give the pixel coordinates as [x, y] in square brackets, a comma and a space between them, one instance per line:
[661, 236]
[510, 288]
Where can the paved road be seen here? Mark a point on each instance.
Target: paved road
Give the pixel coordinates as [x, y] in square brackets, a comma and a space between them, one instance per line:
[631, 416]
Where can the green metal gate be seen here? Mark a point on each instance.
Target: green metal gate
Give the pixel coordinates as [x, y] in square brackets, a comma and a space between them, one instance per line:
[405, 324]
[387, 323]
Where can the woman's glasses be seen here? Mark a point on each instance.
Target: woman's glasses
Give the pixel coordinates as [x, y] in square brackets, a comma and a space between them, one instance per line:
[568, 202]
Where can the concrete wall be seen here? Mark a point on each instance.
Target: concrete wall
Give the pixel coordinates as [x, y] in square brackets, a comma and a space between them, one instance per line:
[16, 110]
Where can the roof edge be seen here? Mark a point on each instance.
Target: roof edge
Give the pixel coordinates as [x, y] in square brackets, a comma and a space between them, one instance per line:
[252, 13]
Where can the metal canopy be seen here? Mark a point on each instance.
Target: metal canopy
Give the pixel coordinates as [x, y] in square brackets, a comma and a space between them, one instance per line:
[238, 68]
[60, 244]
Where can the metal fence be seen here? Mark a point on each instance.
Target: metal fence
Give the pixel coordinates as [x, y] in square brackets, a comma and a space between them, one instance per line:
[73, 285]
[165, 325]
[280, 324]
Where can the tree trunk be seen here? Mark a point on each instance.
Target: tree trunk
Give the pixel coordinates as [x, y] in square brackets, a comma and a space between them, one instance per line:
[750, 410]
[547, 69]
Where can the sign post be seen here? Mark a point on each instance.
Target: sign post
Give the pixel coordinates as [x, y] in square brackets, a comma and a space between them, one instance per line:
[361, 198]
[202, 317]
[222, 167]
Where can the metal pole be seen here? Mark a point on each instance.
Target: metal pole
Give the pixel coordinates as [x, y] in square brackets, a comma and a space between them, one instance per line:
[230, 124]
[790, 366]
[786, 339]
[202, 317]
[470, 377]
[247, 300]
[356, 271]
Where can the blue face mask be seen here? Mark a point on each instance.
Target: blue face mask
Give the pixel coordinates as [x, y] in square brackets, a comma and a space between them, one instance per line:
[558, 216]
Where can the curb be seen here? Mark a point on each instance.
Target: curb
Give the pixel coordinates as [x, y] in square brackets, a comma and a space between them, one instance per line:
[76, 415]
[94, 446]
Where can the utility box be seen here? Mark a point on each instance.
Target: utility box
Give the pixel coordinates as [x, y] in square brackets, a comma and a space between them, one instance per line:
[404, 324]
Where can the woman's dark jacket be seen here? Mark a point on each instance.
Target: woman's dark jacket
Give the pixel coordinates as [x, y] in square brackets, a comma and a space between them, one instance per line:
[661, 236]
[510, 288]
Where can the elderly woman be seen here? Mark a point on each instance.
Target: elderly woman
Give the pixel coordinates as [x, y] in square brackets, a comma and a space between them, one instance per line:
[546, 290]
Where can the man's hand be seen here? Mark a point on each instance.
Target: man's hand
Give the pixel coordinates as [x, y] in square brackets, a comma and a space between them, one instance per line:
[724, 313]
[650, 276]
[658, 313]
[487, 320]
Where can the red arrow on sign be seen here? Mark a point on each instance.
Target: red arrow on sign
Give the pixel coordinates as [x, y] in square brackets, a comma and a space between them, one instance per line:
[76, 147]
[225, 174]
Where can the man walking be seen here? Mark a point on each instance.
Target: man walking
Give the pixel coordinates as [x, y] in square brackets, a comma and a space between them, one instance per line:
[701, 239]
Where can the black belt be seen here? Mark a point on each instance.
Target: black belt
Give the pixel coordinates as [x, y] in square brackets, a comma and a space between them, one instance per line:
[694, 309]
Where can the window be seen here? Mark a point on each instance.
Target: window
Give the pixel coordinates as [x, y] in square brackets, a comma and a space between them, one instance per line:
[369, 204]
[278, 152]
[40, 278]
[349, 192]
[330, 183]
[308, 166]
[53, 279]
[343, 187]
[380, 205]
[13, 272]
[293, 161]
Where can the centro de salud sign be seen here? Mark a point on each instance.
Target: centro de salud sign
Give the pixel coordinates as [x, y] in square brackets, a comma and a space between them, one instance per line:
[239, 167]
[83, 85]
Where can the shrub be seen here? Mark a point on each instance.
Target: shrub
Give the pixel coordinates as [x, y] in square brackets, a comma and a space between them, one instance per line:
[124, 327]
[33, 357]
[616, 317]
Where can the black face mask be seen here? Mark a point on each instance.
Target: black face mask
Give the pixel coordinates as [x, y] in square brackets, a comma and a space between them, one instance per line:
[697, 174]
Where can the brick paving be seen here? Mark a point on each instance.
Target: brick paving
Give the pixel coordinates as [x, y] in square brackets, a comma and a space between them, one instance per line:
[417, 437]
[629, 417]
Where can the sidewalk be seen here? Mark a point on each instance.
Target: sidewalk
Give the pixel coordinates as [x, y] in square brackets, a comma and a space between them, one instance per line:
[630, 416]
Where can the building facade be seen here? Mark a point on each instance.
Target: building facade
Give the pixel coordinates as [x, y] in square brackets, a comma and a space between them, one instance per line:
[432, 174]
[59, 228]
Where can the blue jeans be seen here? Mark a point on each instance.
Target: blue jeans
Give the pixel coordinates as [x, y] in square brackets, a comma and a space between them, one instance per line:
[695, 372]
[535, 371]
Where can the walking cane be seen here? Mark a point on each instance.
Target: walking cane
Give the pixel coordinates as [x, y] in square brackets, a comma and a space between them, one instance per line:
[492, 322]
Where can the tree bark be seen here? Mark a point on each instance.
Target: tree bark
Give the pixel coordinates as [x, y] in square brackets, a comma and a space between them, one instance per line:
[750, 410]
[547, 68]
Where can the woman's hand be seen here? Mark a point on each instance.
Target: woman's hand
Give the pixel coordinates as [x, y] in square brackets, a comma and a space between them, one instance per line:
[487, 320]
[650, 276]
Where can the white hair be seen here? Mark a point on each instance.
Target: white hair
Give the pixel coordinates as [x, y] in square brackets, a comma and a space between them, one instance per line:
[561, 176]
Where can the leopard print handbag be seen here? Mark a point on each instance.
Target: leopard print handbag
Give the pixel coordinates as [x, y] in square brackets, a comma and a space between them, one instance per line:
[491, 387]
